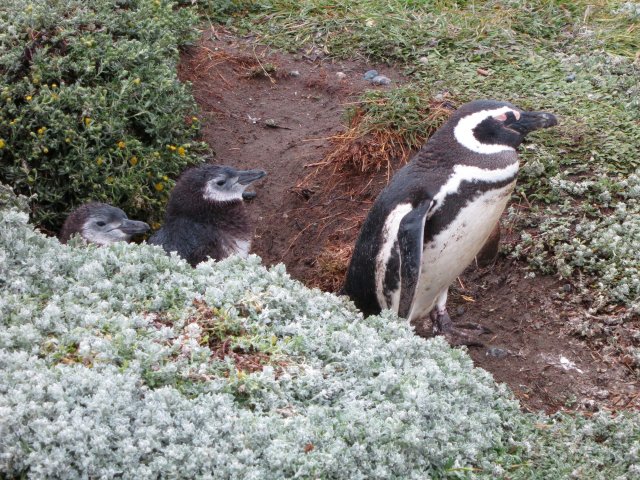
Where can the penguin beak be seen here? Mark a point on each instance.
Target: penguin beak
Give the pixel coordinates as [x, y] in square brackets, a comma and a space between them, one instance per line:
[133, 227]
[245, 177]
[530, 121]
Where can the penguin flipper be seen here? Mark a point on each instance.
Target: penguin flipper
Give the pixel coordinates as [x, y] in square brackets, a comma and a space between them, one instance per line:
[410, 241]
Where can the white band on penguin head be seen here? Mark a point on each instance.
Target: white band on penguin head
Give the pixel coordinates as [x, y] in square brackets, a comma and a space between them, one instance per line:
[463, 131]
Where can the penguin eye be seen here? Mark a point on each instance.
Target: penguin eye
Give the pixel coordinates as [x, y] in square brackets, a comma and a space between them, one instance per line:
[220, 182]
[100, 223]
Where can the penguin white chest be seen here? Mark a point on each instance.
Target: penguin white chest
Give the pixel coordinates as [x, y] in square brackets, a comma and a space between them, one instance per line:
[449, 252]
[237, 246]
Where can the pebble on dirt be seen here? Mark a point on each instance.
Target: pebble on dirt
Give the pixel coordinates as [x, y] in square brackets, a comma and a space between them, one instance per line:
[294, 73]
[380, 80]
[370, 75]
[341, 75]
[570, 78]
[497, 352]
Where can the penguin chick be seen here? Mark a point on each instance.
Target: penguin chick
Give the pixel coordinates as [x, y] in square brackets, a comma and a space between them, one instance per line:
[101, 224]
[437, 212]
[205, 215]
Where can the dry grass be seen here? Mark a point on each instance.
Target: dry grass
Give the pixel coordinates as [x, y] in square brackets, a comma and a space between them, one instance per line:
[331, 267]
[380, 133]
[205, 59]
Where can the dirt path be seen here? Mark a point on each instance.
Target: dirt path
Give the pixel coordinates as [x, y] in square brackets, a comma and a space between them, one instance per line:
[277, 112]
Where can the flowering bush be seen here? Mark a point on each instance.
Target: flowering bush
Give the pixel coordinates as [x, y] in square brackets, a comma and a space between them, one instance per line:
[123, 362]
[91, 107]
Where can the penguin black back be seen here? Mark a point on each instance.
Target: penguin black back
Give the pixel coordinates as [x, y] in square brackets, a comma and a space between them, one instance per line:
[100, 223]
[205, 215]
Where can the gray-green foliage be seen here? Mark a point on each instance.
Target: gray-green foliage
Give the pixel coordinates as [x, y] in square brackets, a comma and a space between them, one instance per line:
[105, 372]
[102, 373]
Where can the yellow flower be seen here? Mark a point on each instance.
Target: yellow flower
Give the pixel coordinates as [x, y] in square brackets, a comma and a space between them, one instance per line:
[54, 85]
[133, 160]
[165, 178]
[2, 144]
[13, 122]
[136, 81]
[195, 119]
[41, 130]
[155, 225]
[156, 154]
[159, 186]
[121, 145]
[68, 140]
[172, 147]
[55, 96]
[109, 180]
[99, 161]
[87, 121]
[28, 98]
[45, 150]
[181, 151]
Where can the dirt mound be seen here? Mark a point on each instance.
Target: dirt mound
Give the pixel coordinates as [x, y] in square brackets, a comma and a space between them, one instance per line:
[279, 112]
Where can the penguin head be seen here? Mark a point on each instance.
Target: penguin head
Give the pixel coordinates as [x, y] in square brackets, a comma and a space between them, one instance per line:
[101, 224]
[220, 184]
[490, 126]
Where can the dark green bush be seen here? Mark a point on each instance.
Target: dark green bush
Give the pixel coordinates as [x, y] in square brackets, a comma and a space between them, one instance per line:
[91, 106]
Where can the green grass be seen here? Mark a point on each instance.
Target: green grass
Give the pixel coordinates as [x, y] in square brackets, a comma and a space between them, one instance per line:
[529, 49]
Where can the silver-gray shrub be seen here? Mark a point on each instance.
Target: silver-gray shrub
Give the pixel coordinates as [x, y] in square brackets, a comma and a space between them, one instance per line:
[92, 386]
[104, 374]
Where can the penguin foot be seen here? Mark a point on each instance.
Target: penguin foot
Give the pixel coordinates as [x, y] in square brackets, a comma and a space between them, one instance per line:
[462, 334]
[474, 326]
[459, 336]
[441, 321]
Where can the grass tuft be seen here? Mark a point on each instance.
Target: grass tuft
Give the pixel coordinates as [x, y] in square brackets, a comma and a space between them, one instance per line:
[384, 126]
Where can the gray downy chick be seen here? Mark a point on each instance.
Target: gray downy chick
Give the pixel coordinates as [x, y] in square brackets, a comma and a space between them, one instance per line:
[101, 224]
[205, 216]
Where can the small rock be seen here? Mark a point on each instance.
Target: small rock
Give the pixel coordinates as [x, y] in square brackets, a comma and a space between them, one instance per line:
[483, 71]
[380, 80]
[460, 310]
[423, 60]
[497, 352]
[294, 73]
[439, 97]
[566, 287]
[341, 75]
[603, 394]
[370, 75]
[590, 404]
[570, 78]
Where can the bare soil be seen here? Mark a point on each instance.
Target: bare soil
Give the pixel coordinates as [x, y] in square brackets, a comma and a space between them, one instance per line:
[279, 112]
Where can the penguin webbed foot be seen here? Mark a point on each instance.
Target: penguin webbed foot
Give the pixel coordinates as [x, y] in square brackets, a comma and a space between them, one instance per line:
[462, 334]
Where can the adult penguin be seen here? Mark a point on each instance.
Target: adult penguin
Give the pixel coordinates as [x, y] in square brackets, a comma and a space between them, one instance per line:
[435, 215]
[205, 216]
